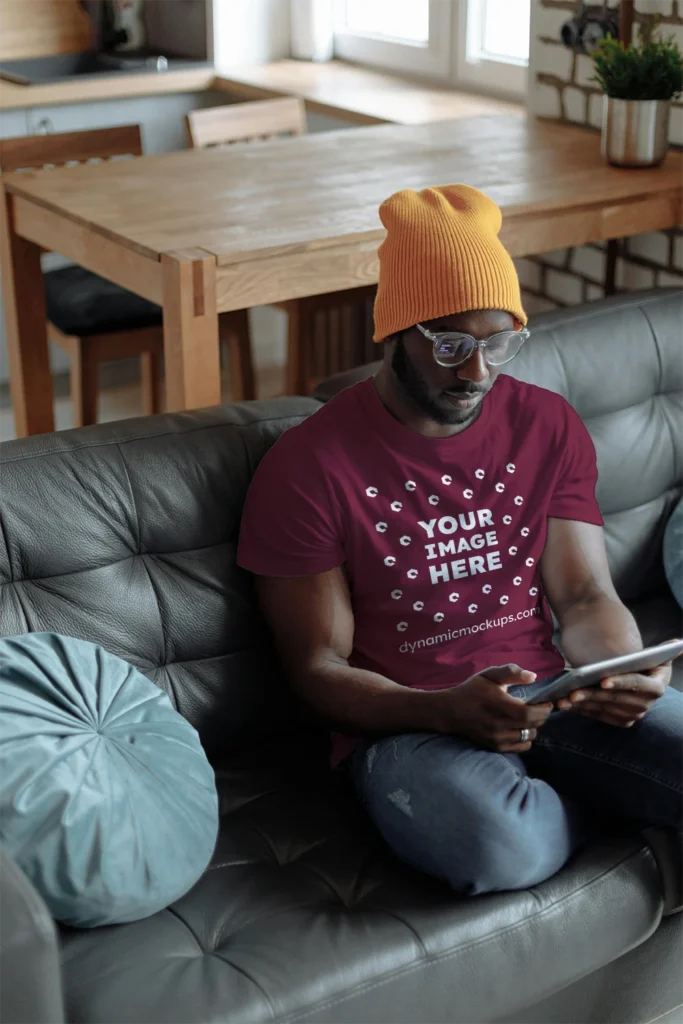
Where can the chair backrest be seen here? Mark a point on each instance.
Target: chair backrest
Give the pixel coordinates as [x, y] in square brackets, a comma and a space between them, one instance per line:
[29, 152]
[246, 122]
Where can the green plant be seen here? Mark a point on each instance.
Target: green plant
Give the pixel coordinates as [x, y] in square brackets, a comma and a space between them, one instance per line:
[650, 70]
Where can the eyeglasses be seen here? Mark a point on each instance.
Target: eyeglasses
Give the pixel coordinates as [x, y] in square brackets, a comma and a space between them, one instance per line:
[455, 348]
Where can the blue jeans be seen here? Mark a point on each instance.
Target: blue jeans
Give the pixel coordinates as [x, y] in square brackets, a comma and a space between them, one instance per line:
[486, 822]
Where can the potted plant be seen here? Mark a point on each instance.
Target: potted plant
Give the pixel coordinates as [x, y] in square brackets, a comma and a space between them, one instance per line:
[639, 82]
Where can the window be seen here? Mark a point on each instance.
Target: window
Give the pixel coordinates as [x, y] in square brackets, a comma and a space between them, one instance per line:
[403, 35]
[492, 44]
[482, 44]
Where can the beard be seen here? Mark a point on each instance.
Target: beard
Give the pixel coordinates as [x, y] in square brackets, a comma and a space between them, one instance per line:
[432, 403]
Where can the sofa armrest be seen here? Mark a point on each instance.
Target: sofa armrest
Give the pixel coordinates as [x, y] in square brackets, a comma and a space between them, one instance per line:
[30, 978]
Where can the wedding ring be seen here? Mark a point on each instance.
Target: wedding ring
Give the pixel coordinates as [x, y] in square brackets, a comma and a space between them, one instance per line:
[525, 735]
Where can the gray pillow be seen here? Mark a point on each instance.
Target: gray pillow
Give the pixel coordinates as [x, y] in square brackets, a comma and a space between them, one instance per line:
[107, 800]
[673, 552]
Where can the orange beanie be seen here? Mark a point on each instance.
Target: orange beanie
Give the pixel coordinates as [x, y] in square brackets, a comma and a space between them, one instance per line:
[442, 255]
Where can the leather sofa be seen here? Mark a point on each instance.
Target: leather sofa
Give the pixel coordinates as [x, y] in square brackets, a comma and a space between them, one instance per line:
[125, 534]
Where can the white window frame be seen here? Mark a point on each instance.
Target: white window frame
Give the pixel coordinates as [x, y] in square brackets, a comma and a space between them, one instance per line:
[484, 75]
[455, 33]
[431, 60]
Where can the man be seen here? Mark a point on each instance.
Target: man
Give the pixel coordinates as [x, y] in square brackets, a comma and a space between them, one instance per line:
[407, 540]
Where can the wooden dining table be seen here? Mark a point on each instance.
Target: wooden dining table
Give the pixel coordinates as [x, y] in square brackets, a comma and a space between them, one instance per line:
[203, 232]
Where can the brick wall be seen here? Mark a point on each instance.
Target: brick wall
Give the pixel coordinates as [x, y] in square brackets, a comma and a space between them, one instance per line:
[560, 87]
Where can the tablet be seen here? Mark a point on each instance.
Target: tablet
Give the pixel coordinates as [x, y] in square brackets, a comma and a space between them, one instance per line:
[591, 675]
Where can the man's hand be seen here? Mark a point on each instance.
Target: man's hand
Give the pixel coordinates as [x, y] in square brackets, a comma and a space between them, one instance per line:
[620, 700]
[481, 710]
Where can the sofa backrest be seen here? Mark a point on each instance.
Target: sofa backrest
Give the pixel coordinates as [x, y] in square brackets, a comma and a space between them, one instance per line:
[125, 534]
[619, 362]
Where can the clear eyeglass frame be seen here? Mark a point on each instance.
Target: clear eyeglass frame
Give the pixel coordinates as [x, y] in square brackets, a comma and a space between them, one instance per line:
[439, 339]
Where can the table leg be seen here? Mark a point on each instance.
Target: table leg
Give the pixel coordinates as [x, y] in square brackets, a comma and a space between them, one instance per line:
[24, 301]
[192, 359]
[611, 266]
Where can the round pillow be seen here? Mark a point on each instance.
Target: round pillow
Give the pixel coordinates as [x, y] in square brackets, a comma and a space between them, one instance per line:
[673, 552]
[107, 800]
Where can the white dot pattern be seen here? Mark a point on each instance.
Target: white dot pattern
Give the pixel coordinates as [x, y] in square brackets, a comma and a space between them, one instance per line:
[405, 540]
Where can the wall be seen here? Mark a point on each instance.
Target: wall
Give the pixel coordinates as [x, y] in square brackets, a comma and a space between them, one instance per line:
[560, 87]
[38, 28]
[249, 32]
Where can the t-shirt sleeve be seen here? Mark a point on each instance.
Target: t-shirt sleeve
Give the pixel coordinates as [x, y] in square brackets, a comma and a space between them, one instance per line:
[289, 527]
[574, 493]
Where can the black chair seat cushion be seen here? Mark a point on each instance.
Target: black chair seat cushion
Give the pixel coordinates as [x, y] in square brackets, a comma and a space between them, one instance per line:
[304, 915]
[82, 303]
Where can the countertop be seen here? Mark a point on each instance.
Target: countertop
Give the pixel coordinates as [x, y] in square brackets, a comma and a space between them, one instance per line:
[105, 87]
[356, 94]
[362, 95]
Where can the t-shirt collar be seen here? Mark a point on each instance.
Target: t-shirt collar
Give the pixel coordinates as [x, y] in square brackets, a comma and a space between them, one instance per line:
[397, 435]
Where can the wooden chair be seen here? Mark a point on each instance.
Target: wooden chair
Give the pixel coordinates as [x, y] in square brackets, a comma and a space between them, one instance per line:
[91, 319]
[318, 327]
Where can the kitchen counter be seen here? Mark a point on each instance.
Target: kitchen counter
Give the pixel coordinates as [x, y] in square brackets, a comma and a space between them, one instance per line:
[105, 87]
[358, 95]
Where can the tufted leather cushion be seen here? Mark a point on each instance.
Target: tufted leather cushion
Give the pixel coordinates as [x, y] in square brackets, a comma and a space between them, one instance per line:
[125, 535]
[304, 916]
[82, 303]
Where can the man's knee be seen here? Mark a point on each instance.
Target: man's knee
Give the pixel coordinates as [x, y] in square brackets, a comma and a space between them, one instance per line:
[514, 843]
[513, 858]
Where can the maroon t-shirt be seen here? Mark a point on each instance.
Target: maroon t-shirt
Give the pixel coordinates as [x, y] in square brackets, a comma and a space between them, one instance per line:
[441, 537]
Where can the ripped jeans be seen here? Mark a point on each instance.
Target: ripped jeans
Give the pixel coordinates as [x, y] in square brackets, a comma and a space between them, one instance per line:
[486, 822]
